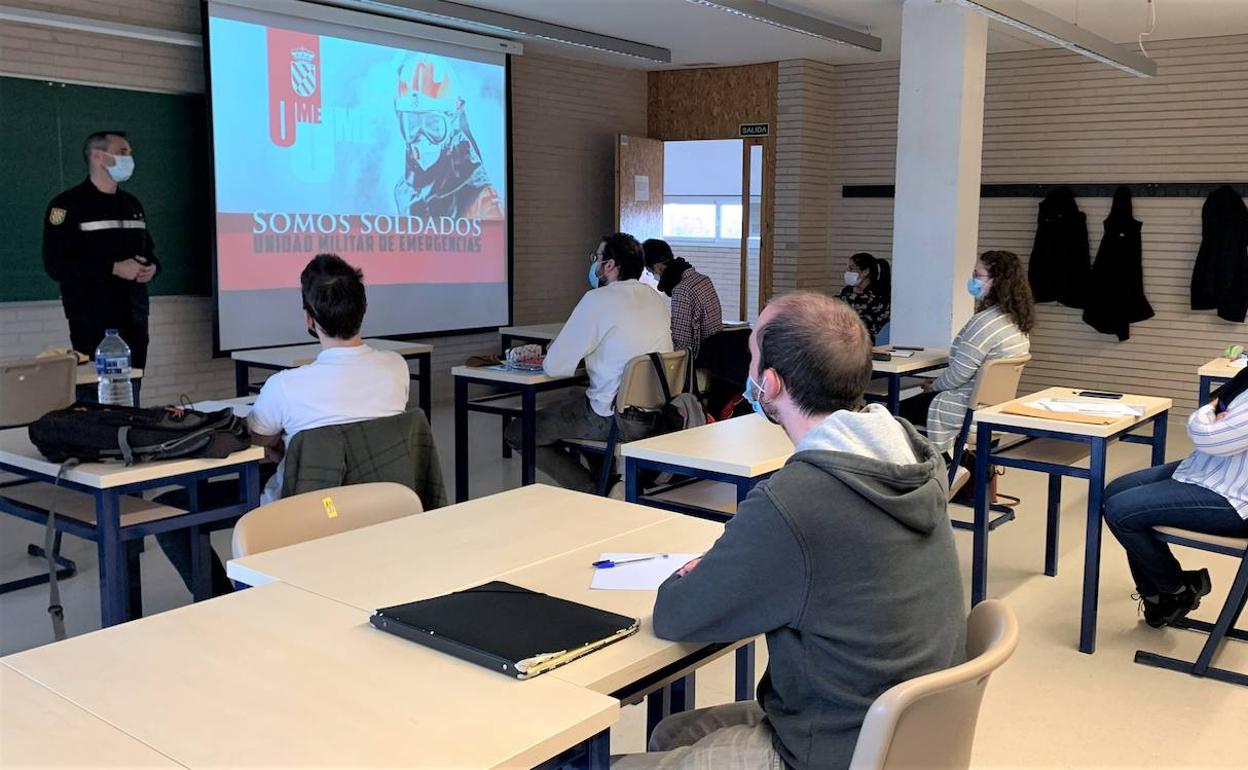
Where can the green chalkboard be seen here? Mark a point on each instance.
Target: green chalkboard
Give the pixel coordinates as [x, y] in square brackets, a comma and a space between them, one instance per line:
[42, 128]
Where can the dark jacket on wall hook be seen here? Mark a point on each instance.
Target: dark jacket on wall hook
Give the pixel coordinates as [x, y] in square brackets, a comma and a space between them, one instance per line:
[1058, 270]
[1116, 288]
[1220, 278]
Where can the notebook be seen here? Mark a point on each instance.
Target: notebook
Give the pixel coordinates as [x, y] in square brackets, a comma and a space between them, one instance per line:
[507, 628]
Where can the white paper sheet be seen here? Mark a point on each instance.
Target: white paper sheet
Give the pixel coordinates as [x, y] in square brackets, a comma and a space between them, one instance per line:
[240, 410]
[1106, 408]
[1239, 363]
[639, 576]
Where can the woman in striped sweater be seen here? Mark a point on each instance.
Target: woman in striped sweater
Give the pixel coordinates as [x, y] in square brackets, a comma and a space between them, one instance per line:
[1207, 492]
[1004, 315]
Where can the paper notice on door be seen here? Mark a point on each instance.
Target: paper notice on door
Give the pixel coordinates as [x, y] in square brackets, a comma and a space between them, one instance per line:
[641, 188]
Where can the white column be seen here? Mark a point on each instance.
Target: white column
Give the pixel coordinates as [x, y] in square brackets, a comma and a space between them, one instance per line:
[940, 125]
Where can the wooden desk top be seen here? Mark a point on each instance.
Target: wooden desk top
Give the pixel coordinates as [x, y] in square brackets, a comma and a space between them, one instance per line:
[568, 576]
[534, 331]
[300, 355]
[1152, 407]
[515, 376]
[279, 677]
[39, 728]
[922, 359]
[16, 449]
[85, 374]
[456, 547]
[747, 446]
[1220, 367]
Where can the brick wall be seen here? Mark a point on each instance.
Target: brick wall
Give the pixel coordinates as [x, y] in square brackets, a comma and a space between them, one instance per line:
[722, 264]
[565, 116]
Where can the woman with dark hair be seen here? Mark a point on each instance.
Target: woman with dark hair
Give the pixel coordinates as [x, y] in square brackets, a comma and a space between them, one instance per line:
[869, 290]
[1005, 314]
[696, 312]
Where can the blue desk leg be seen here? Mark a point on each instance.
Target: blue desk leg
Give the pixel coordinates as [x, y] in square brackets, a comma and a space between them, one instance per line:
[1092, 548]
[597, 752]
[461, 439]
[1161, 424]
[1053, 525]
[250, 477]
[632, 480]
[979, 542]
[745, 672]
[113, 596]
[894, 393]
[676, 697]
[528, 433]
[683, 693]
[426, 384]
[1206, 386]
[242, 384]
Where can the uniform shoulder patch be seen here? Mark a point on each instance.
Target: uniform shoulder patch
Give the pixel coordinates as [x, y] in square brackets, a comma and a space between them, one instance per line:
[56, 216]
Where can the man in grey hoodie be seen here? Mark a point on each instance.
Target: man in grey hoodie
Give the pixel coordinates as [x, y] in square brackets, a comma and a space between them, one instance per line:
[844, 559]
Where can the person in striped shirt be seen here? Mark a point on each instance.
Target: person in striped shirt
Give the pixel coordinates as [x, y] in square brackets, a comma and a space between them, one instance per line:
[1004, 315]
[1206, 492]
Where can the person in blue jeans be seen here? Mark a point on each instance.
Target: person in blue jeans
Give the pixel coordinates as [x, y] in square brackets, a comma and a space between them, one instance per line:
[1207, 492]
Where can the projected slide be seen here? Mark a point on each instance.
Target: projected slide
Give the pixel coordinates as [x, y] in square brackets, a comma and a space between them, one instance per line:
[391, 154]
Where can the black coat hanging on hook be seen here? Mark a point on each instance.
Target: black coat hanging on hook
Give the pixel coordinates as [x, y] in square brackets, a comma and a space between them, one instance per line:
[1220, 278]
[1058, 270]
[1116, 288]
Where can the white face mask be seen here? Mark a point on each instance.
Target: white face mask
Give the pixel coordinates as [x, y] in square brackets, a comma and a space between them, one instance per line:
[852, 278]
[122, 168]
[650, 279]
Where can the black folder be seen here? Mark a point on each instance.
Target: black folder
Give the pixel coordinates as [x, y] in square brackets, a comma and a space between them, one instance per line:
[507, 628]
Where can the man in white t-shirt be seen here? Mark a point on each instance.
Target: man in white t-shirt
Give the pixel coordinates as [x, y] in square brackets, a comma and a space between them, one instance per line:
[618, 320]
[348, 382]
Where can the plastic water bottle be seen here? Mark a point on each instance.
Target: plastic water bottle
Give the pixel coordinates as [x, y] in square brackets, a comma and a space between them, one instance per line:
[112, 365]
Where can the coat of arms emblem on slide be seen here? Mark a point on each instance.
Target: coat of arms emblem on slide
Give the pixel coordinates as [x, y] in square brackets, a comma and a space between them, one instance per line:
[303, 72]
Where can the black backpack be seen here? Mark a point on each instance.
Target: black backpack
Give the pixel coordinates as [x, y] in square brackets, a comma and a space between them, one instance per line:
[93, 432]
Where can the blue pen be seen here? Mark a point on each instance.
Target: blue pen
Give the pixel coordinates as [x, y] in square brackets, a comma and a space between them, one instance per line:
[608, 563]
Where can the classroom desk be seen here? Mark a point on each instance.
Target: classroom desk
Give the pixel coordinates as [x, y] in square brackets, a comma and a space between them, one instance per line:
[280, 677]
[506, 384]
[429, 554]
[898, 369]
[276, 359]
[114, 515]
[39, 728]
[539, 537]
[1047, 438]
[742, 451]
[1214, 373]
[536, 333]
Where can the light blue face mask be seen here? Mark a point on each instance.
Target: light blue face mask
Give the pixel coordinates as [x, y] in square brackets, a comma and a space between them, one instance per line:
[593, 275]
[751, 389]
[976, 287]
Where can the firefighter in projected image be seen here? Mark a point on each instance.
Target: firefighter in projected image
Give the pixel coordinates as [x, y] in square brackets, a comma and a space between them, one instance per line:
[443, 174]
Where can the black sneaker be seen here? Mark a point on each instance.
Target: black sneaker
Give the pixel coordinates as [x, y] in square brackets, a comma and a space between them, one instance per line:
[1168, 609]
[1198, 582]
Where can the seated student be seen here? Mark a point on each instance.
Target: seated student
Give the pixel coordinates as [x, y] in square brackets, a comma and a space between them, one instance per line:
[619, 319]
[1207, 492]
[696, 313]
[844, 559]
[1004, 315]
[348, 382]
[869, 290]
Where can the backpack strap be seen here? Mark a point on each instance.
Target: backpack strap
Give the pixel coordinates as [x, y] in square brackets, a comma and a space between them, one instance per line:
[657, 361]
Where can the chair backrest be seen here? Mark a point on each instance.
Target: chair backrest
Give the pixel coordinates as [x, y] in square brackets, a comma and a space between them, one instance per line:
[32, 387]
[929, 721]
[997, 381]
[639, 385]
[320, 514]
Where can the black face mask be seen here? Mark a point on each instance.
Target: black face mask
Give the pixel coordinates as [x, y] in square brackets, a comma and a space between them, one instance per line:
[312, 327]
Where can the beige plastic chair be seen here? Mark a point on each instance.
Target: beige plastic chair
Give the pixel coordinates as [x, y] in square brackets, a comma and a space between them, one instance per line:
[325, 512]
[639, 388]
[32, 387]
[996, 383]
[929, 722]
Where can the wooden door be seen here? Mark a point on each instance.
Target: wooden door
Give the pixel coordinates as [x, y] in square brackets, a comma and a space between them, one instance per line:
[639, 186]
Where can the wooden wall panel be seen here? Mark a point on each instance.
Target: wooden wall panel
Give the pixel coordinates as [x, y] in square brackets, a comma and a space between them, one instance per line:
[638, 156]
[1051, 116]
[712, 103]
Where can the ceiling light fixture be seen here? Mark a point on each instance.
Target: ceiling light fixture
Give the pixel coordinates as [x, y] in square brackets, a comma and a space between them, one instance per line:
[460, 15]
[1032, 20]
[794, 22]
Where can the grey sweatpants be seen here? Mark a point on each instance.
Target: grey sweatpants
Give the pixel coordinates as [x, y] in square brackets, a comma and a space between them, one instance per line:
[734, 736]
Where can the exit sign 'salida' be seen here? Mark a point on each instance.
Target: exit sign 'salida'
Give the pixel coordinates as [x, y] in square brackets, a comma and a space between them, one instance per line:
[754, 129]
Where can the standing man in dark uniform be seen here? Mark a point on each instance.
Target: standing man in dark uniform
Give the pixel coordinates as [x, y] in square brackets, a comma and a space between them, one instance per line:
[97, 247]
